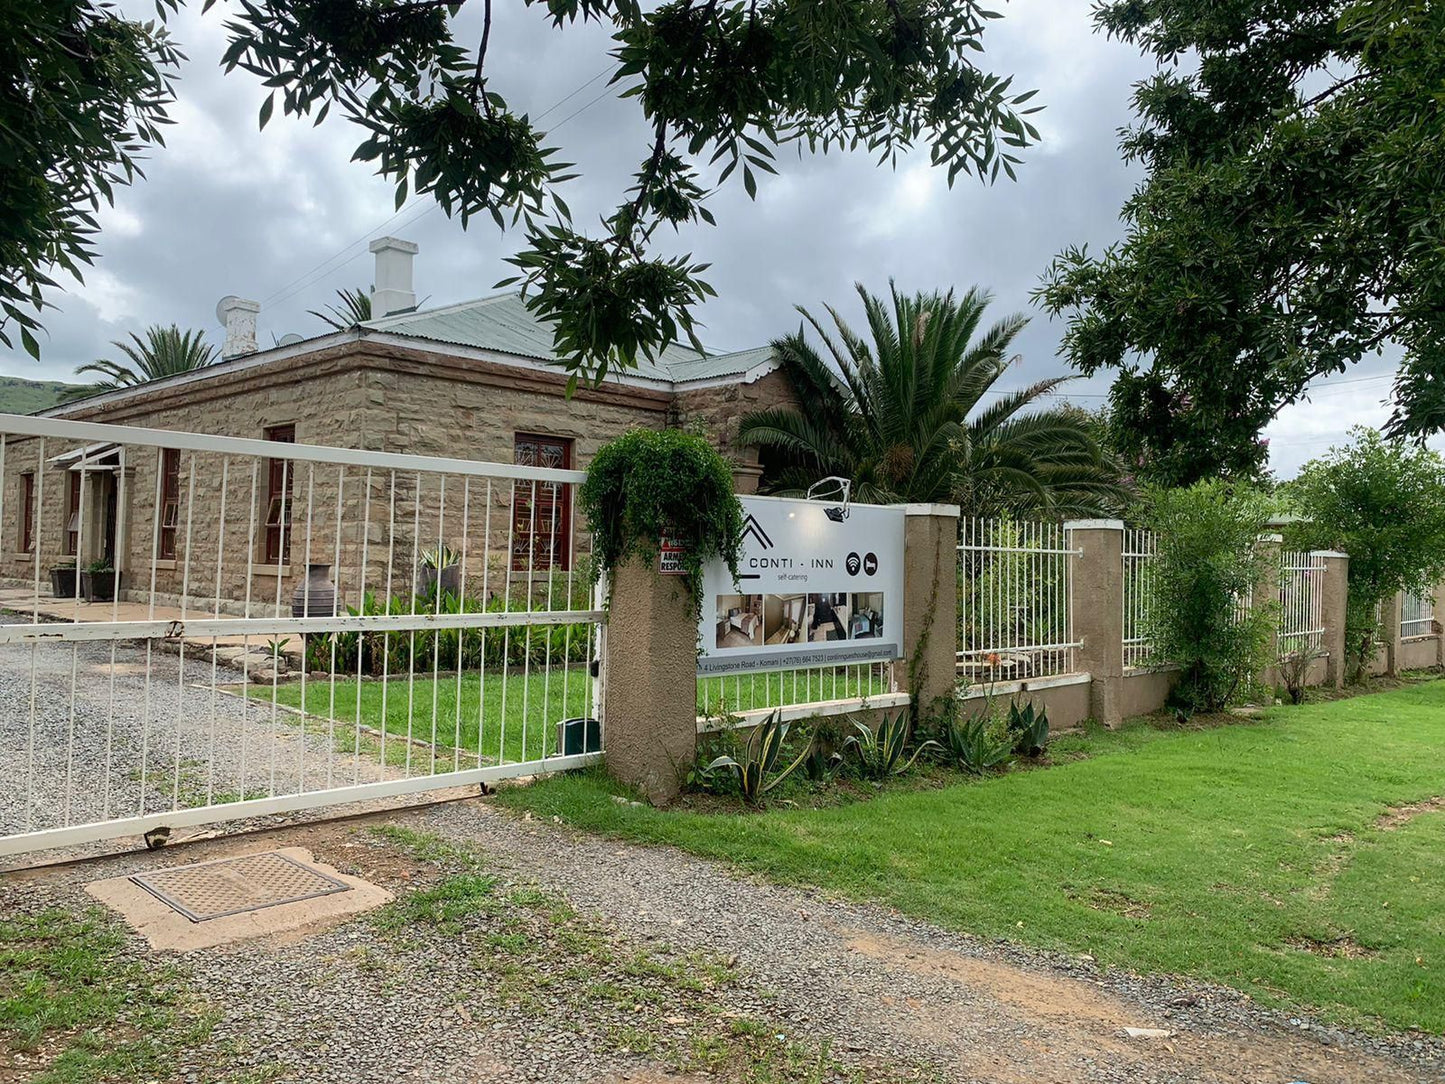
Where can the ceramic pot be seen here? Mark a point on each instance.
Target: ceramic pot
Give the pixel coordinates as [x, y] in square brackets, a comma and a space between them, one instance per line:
[315, 596]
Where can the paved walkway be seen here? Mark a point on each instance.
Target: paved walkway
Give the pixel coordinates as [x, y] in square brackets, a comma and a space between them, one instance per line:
[555, 956]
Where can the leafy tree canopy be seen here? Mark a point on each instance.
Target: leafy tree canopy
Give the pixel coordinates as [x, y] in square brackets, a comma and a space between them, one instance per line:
[1383, 503]
[1290, 221]
[722, 84]
[903, 413]
[83, 91]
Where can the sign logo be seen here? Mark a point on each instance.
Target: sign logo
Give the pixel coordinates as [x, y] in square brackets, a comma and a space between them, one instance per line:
[870, 564]
[852, 563]
[752, 527]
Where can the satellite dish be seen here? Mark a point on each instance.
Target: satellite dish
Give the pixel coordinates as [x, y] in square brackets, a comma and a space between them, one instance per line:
[221, 307]
[290, 339]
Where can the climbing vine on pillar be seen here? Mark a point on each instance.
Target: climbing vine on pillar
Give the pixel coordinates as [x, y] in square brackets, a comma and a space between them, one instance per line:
[649, 483]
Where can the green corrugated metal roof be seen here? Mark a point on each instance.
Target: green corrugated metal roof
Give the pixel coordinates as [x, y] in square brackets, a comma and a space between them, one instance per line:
[502, 323]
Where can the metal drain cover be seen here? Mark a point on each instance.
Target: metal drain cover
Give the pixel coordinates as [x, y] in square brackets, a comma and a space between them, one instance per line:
[232, 886]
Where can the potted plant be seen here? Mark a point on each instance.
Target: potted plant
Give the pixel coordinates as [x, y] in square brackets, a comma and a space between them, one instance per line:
[99, 580]
[62, 579]
[441, 570]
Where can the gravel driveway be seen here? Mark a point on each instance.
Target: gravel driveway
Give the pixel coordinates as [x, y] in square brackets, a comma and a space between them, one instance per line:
[589, 960]
[121, 747]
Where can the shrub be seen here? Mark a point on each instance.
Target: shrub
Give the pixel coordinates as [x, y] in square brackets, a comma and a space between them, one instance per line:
[880, 752]
[1294, 669]
[1383, 503]
[1028, 728]
[1208, 564]
[649, 483]
[978, 744]
[755, 772]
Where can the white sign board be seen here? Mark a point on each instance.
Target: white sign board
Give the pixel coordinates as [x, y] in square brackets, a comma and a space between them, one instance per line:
[818, 585]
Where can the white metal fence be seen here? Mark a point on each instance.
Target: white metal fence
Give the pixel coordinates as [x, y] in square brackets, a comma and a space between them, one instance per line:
[1301, 603]
[1014, 598]
[152, 671]
[1137, 560]
[1417, 615]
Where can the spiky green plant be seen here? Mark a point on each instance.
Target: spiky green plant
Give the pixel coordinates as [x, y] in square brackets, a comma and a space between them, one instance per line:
[905, 413]
[755, 771]
[1029, 727]
[978, 744]
[165, 351]
[353, 307]
[881, 751]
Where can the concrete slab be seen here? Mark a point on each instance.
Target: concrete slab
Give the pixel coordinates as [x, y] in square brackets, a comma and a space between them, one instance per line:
[168, 930]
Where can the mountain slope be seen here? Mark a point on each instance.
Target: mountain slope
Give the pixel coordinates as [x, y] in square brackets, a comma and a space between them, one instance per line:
[21, 396]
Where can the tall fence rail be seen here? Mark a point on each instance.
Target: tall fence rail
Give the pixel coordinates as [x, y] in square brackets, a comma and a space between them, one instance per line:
[171, 653]
[1139, 548]
[1014, 600]
[1417, 615]
[1301, 627]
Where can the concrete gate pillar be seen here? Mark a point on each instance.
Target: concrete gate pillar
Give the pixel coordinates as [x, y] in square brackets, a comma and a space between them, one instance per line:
[1097, 606]
[930, 601]
[1333, 605]
[650, 681]
[1266, 593]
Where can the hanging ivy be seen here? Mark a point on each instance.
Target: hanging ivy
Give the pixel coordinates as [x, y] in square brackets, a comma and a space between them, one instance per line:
[648, 483]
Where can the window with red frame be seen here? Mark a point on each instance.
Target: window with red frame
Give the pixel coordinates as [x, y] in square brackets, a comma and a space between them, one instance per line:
[542, 511]
[27, 513]
[170, 501]
[72, 516]
[280, 483]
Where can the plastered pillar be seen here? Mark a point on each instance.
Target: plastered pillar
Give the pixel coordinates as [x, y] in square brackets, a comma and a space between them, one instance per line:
[1333, 606]
[930, 602]
[650, 660]
[1096, 572]
[1266, 593]
[1390, 631]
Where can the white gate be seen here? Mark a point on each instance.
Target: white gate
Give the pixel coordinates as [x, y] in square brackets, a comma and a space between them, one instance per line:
[171, 654]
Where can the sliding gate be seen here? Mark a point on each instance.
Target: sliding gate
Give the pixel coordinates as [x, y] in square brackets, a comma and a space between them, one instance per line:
[197, 628]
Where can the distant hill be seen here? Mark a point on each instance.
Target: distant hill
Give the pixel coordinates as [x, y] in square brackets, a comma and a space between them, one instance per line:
[21, 396]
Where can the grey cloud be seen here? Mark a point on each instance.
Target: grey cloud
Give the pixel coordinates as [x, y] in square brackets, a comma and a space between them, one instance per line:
[226, 209]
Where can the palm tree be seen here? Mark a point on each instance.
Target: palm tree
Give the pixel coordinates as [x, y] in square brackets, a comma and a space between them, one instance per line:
[354, 308]
[165, 351]
[902, 414]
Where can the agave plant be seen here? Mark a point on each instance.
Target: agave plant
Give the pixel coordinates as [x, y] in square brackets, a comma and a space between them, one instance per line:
[881, 752]
[755, 772]
[1030, 729]
[978, 744]
[440, 556]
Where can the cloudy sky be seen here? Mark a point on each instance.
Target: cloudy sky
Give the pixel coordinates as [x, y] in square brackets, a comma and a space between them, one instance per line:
[284, 217]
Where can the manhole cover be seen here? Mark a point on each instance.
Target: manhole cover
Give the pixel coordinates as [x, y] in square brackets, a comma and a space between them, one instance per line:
[233, 885]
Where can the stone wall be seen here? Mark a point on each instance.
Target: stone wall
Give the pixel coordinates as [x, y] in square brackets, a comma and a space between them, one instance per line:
[718, 411]
[359, 394]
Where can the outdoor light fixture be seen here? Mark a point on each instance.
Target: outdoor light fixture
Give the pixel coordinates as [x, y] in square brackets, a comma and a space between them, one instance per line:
[829, 488]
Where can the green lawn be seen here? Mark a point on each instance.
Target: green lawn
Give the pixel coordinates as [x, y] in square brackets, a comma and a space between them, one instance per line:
[531, 705]
[536, 699]
[1249, 854]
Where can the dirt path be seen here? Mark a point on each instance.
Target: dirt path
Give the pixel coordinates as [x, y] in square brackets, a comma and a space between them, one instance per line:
[582, 959]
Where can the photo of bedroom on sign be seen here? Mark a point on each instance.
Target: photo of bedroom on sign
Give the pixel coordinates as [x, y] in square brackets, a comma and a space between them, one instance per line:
[828, 617]
[739, 620]
[866, 622]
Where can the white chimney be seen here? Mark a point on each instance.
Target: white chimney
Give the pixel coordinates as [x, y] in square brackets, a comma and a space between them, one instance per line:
[392, 292]
[238, 316]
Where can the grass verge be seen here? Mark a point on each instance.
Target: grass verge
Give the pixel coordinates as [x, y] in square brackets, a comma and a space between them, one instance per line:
[75, 1008]
[1250, 854]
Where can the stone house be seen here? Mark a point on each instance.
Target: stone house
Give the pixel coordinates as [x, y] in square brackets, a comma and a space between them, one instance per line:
[476, 381]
